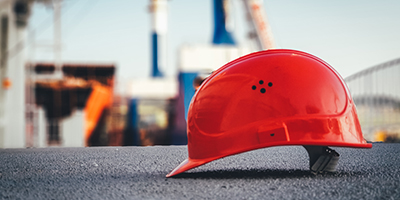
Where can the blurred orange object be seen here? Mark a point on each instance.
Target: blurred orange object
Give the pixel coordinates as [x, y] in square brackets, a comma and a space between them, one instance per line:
[100, 98]
[7, 83]
[380, 136]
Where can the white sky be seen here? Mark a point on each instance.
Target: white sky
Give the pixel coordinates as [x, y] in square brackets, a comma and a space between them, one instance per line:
[351, 35]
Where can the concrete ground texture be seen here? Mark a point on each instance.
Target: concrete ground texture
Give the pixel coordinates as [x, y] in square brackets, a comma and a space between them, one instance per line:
[139, 173]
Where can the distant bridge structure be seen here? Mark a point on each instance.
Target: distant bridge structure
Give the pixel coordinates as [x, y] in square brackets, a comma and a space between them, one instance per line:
[376, 93]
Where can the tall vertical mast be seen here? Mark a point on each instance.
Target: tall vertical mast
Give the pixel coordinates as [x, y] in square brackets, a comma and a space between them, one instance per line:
[57, 36]
[221, 14]
[159, 11]
[260, 29]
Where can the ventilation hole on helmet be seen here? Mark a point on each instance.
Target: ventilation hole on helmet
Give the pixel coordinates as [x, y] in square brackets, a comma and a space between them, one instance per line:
[254, 87]
[270, 84]
[261, 82]
[272, 134]
[262, 90]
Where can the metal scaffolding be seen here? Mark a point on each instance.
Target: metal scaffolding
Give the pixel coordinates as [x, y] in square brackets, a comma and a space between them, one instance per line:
[376, 93]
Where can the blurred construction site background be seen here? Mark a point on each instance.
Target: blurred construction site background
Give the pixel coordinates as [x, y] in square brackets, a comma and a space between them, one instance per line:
[113, 73]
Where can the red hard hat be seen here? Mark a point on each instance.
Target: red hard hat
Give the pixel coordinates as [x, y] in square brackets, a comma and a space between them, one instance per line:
[270, 98]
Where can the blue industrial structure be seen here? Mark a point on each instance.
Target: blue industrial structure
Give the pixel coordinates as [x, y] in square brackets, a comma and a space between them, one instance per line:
[131, 132]
[222, 50]
[186, 88]
[155, 72]
[221, 37]
[221, 34]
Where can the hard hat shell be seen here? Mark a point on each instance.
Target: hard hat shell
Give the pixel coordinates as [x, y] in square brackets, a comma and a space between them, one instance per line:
[270, 98]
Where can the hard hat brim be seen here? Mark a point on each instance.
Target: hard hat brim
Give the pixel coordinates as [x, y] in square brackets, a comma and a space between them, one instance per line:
[189, 164]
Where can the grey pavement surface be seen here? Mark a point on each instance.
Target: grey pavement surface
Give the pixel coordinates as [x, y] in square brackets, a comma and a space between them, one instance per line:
[139, 173]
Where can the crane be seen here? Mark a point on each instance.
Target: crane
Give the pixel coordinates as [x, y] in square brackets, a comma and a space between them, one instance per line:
[259, 29]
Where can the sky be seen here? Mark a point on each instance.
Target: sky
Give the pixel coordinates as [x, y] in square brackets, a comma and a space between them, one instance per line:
[350, 35]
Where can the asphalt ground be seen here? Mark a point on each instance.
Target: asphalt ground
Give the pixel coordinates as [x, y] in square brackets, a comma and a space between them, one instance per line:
[139, 173]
